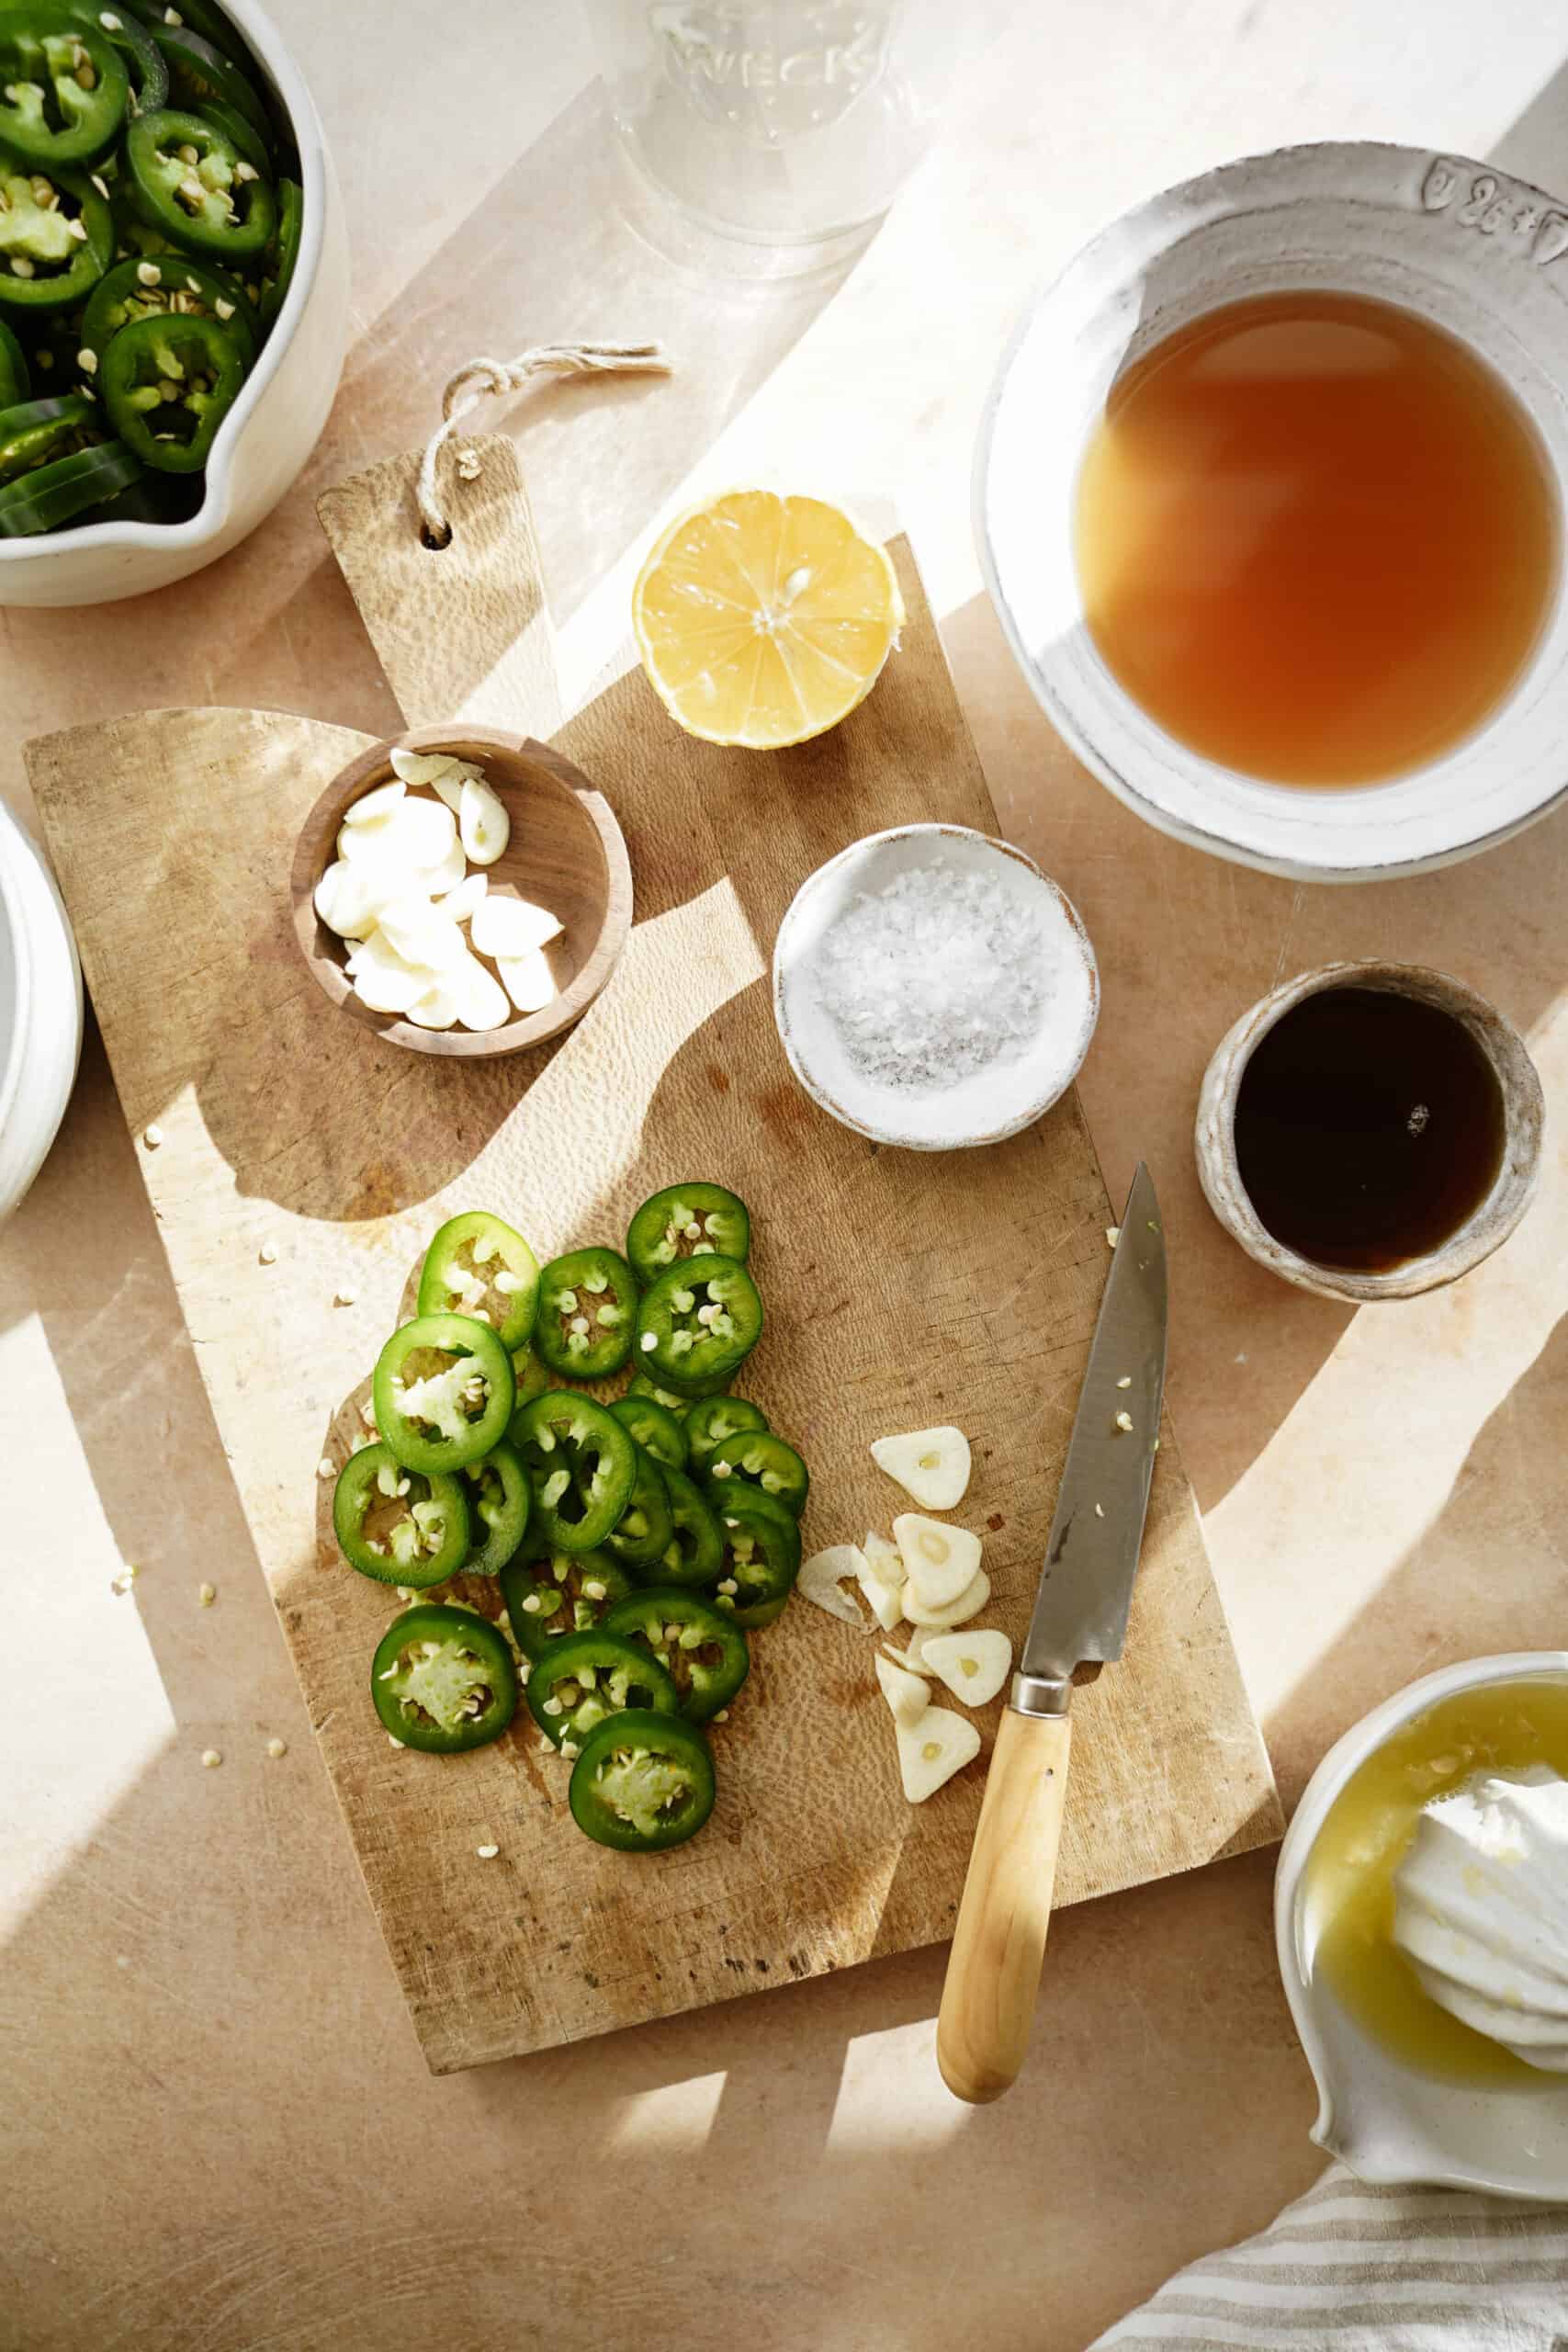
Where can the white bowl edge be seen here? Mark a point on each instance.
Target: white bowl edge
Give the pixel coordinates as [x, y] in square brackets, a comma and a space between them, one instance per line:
[1421, 2158]
[40, 1055]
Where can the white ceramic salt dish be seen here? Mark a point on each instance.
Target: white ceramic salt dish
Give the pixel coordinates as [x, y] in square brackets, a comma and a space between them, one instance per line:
[1471, 249]
[1000, 1099]
[1386, 2120]
[40, 1012]
[273, 425]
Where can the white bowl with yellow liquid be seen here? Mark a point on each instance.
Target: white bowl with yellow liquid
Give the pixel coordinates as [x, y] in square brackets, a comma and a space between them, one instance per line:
[1394, 2105]
[1475, 253]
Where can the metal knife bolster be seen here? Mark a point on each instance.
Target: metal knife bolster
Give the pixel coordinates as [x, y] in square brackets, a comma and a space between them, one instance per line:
[1091, 1554]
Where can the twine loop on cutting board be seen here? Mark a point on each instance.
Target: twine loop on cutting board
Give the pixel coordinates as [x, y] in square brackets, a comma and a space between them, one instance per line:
[479, 378]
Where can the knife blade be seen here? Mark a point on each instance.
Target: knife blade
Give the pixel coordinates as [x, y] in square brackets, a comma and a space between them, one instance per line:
[1092, 1554]
[1080, 1613]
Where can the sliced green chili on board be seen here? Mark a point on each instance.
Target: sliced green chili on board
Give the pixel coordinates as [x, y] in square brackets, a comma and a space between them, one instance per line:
[477, 1265]
[647, 1525]
[761, 1558]
[398, 1525]
[500, 1501]
[443, 1680]
[443, 1390]
[167, 385]
[586, 1677]
[582, 1466]
[758, 1458]
[684, 1221]
[698, 1323]
[714, 1418]
[136, 289]
[639, 1385]
[655, 1428]
[704, 1652]
[218, 206]
[694, 1554]
[564, 1592]
[587, 1314]
[642, 1782]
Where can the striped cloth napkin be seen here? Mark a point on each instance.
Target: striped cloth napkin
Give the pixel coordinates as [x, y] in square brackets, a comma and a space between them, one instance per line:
[1353, 2269]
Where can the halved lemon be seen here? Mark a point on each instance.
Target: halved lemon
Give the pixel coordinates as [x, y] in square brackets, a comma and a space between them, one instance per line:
[764, 620]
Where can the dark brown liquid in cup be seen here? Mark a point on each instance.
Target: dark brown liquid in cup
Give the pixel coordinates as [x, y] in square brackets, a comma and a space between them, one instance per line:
[1369, 1129]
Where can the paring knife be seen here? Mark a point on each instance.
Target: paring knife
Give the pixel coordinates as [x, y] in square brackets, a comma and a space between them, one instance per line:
[1080, 1612]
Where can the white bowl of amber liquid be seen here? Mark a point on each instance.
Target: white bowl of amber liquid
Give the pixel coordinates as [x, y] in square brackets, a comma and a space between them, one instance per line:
[1407, 2092]
[1269, 497]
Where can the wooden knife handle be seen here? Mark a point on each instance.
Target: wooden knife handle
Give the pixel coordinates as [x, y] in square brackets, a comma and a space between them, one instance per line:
[993, 1969]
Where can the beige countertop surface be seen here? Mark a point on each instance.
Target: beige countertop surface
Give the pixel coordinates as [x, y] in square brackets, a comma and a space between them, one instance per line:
[218, 2134]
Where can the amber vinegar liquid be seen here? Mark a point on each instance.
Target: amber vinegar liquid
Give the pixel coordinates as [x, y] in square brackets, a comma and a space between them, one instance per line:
[1317, 538]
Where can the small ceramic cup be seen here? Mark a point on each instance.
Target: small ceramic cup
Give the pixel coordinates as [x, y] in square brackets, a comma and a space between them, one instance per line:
[1482, 1232]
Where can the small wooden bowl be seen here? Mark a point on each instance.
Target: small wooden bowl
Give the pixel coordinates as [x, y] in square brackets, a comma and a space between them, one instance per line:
[566, 853]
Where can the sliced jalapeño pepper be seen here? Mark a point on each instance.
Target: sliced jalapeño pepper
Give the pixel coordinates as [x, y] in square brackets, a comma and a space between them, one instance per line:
[646, 1524]
[398, 1525]
[283, 256]
[443, 1389]
[476, 1265]
[694, 1554]
[58, 494]
[684, 1221]
[758, 1458]
[136, 289]
[582, 1466]
[167, 384]
[587, 1314]
[698, 1322]
[565, 1592]
[140, 54]
[249, 143]
[35, 431]
[64, 88]
[218, 204]
[655, 1430]
[643, 1782]
[46, 261]
[713, 1419]
[15, 381]
[586, 1677]
[639, 1385]
[198, 71]
[443, 1680]
[761, 1558]
[704, 1652]
[500, 1501]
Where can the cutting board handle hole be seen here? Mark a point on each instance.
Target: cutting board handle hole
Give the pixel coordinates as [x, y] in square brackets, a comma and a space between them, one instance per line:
[437, 543]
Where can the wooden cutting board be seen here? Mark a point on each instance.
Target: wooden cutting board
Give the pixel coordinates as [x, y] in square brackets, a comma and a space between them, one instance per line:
[901, 1289]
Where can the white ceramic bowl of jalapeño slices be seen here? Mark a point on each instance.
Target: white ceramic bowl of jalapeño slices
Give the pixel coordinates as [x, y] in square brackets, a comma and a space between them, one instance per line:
[934, 989]
[278, 413]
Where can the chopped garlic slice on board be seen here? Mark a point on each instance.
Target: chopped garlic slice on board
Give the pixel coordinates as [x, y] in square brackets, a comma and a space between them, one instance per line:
[932, 1464]
[905, 1692]
[939, 1561]
[482, 822]
[911, 1656]
[969, 1604]
[882, 1579]
[931, 1749]
[823, 1577]
[972, 1665]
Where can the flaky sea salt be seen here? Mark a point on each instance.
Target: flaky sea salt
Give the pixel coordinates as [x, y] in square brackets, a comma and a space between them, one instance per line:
[936, 976]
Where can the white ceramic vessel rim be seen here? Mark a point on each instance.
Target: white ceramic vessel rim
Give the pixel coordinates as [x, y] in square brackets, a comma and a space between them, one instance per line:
[1343, 1759]
[13, 914]
[1405, 825]
[860, 852]
[208, 521]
